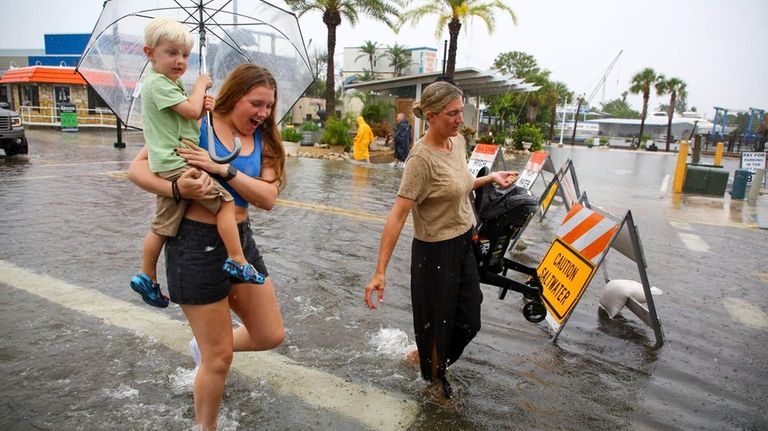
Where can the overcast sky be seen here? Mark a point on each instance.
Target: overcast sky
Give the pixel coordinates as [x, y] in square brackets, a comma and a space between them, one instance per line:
[719, 48]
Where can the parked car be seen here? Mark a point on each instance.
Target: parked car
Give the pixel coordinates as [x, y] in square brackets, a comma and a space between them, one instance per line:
[12, 139]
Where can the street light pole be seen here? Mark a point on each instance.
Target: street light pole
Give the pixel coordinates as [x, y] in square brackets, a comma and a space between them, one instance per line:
[562, 125]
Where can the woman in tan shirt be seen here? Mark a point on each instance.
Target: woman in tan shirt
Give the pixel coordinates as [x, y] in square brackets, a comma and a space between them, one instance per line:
[445, 287]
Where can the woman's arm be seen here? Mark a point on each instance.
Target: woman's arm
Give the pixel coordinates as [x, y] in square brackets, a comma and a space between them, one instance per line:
[259, 192]
[502, 178]
[193, 184]
[392, 229]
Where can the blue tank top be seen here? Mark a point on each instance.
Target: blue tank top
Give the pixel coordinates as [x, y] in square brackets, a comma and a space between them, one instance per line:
[249, 164]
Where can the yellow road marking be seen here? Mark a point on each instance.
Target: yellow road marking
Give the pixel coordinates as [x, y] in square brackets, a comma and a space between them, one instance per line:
[332, 210]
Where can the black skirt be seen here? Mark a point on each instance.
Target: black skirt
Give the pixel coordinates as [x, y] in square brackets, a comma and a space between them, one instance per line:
[446, 297]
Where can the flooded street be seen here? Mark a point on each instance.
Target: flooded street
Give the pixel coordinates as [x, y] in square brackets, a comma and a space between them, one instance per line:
[80, 350]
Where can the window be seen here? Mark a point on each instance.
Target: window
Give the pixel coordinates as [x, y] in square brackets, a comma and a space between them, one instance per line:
[61, 94]
[30, 96]
[4, 94]
[95, 101]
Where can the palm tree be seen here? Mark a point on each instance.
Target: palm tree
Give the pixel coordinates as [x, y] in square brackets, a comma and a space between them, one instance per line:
[369, 50]
[641, 84]
[557, 92]
[580, 101]
[332, 11]
[454, 13]
[400, 58]
[675, 87]
[366, 76]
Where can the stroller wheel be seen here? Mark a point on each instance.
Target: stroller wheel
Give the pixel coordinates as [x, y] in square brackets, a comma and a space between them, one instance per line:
[534, 312]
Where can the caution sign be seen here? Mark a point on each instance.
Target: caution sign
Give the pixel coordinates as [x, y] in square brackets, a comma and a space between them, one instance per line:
[564, 274]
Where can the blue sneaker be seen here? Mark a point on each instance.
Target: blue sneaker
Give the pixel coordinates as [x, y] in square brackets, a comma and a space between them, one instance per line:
[149, 290]
[246, 273]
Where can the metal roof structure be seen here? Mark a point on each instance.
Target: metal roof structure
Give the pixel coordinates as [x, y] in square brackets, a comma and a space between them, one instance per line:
[473, 82]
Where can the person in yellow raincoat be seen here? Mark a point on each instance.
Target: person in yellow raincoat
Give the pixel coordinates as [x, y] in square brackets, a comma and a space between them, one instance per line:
[363, 138]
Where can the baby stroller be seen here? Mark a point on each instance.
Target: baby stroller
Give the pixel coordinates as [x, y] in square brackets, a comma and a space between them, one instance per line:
[501, 214]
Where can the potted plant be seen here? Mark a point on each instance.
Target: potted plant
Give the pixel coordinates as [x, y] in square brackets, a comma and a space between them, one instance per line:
[310, 133]
[291, 139]
[528, 133]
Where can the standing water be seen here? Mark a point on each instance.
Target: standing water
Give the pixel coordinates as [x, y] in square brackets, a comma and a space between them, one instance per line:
[70, 217]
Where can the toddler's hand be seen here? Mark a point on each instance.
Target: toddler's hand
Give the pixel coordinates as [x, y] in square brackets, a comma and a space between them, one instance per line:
[209, 102]
[204, 79]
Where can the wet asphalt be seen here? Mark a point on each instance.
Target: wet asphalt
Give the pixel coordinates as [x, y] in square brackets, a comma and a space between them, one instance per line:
[70, 214]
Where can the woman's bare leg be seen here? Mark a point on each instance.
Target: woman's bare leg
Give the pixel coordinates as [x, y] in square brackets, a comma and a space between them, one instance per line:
[257, 307]
[212, 327]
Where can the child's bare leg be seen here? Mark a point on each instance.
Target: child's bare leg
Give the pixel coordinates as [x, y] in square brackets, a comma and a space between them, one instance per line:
[227, 227]
[153, 245]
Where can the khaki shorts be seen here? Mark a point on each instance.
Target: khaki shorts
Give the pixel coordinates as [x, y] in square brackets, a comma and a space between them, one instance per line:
[169, 214]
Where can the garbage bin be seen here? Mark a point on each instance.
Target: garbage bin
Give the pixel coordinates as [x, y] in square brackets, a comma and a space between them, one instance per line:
[740, 179]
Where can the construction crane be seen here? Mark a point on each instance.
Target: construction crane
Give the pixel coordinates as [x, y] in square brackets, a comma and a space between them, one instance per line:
[601, 82]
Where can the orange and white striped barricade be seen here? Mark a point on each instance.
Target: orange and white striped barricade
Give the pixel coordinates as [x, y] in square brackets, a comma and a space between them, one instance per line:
[565, 185]
[485, 156]
[584, 238]
[538, 162]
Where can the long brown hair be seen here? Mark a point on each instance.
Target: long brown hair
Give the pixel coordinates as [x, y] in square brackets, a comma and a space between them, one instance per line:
[240, 81]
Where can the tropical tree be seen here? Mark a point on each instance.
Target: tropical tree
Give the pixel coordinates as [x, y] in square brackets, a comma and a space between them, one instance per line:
[674, 87]
[641, 83]
[369, 50]
[454, 13]
[516, 63]
[399, 57]
[619, 108]
[332, 11]
[556, 92]
[579, 101]
[366, 76]
[317, 89]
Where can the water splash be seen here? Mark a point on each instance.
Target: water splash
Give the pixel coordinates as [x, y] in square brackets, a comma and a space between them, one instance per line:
[390, 342]
[122, 392]
[182, 380]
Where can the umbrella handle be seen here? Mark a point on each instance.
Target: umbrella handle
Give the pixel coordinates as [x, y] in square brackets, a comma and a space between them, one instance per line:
[212, 145]
[211, 142]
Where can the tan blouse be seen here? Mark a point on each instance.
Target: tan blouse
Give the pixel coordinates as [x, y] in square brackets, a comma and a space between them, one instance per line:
[440, 184]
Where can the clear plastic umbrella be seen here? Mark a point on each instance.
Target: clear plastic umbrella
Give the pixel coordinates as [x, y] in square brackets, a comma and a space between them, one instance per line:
[227, 33]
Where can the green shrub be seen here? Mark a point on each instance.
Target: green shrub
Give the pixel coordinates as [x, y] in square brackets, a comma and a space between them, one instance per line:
[485, 139]
[337, 133]
[309, 126]
[290, 134]
[376, 111]
[603, 140]
[528, 133]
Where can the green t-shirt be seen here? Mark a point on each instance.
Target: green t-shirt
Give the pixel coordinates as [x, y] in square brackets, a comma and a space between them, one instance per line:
[163, 127]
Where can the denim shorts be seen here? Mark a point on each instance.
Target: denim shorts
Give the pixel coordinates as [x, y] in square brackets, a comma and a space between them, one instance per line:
[194, 258]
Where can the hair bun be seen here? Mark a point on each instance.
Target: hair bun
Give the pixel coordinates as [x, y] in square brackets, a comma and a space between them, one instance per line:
[417, 111]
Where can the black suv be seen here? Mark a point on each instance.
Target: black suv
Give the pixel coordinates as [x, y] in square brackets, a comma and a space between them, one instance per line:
[12, 139]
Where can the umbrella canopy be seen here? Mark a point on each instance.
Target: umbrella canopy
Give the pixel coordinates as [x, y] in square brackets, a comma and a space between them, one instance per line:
[227, 33]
